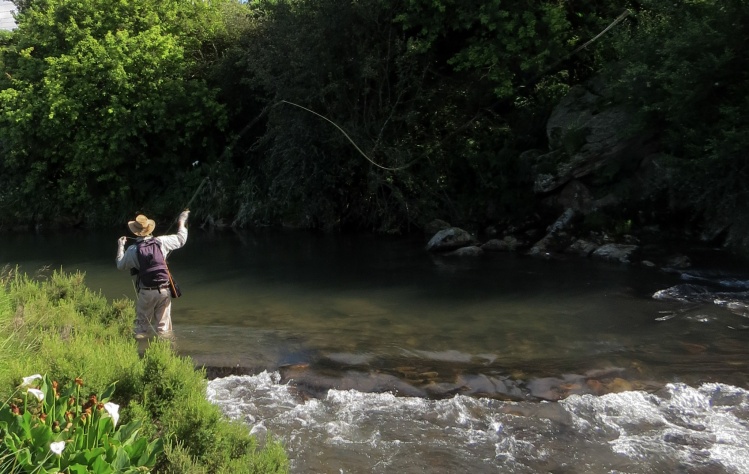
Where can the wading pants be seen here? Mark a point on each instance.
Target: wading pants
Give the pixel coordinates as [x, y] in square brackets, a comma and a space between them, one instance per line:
[153, 310]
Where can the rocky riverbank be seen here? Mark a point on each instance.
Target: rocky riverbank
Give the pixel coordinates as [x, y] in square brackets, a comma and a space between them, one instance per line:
[562, 238]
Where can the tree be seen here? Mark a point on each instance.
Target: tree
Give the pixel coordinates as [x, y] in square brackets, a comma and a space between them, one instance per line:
[101, 101]
[441, 95]
[684, 66]
[347, 62]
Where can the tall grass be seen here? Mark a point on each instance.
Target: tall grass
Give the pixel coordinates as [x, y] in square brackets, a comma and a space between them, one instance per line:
[56, 325]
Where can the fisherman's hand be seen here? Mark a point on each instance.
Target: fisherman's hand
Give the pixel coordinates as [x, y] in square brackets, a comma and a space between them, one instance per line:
[183, 217]
[121, 241]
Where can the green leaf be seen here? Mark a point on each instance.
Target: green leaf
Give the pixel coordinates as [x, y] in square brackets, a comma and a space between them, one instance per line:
[49, 394]
[104, 426]
[136, 449]
[121, 460]
[94, 455]
[78, 469]
[24, 423]
[155, 448]
[128, 432]
[24, 457]
[107, 394]
[6, 416]
[100, 466]
[41, 436]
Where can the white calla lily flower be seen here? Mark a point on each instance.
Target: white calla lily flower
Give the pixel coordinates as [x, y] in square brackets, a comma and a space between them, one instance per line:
[37, 393]
[30, 379]
[57, 447]
[114, 411]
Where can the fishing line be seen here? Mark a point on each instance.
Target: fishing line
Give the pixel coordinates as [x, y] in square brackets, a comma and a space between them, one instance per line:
[247, 127]
[263, 113]
[351, 140]
[618, 20]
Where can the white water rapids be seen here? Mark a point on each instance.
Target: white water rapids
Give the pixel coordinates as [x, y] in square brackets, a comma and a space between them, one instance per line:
[679, 429]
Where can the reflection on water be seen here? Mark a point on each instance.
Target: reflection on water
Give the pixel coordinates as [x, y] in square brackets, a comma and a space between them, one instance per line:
[382, 305]
[367, 354]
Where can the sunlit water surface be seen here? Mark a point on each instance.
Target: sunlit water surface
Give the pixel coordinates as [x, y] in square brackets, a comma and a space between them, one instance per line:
[367, 354]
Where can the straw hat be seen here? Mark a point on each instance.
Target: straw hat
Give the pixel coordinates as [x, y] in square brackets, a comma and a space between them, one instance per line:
[142, 226]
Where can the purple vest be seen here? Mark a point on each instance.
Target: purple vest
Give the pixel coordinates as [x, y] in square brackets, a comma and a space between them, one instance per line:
[153, 271]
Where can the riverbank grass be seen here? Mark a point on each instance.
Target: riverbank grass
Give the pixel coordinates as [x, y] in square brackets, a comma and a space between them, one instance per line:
[56, 326]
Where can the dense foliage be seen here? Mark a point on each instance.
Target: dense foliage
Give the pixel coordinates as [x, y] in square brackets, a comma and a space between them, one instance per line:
[375, 114]
[101, 104]
[54, 324]
[440, 96]
[684, 66]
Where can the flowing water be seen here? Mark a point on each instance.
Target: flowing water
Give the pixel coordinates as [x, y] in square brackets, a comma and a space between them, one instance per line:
[367, 354]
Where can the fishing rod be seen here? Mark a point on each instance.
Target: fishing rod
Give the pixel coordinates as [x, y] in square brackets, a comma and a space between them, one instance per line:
[226, 152]
[187, 207]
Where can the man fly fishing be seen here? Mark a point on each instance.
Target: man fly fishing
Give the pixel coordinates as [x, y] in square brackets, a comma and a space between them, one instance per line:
[154, 285]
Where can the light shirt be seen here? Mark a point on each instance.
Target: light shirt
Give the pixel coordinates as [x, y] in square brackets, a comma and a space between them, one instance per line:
[127, 259]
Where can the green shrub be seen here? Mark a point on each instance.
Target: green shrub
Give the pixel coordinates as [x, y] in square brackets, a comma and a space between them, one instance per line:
[59, 327]
[174, 393]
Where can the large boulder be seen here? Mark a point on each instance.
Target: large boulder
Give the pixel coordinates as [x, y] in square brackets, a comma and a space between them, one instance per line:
[435, 226]
[574, 195]
[557, 238]
[582, 247]
[509, 243]
[450, 239]
[584, 137]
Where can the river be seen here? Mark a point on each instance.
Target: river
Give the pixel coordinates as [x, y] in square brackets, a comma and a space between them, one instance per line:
[368, 354]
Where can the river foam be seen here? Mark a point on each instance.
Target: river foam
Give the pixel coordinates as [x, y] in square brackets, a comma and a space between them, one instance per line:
[678, 429]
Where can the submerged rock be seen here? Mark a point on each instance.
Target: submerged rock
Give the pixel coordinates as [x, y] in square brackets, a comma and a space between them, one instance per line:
[582, 247]
[616, 252]
[507, 244]
[450, 239]
[470, 251]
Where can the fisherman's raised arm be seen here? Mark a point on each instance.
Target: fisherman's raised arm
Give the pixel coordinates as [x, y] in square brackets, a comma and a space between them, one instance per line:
[175, 241]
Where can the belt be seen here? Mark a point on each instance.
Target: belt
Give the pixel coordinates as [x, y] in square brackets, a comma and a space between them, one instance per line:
[162, 287]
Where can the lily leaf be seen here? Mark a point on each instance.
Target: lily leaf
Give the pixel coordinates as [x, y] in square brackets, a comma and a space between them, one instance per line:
[78, 469]
[94, 455]
[136, 449]
[100, 466]
[128, 432]
[121, 461]
[155, 448]
[107, 393]
[41, 435]
[24, 457]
